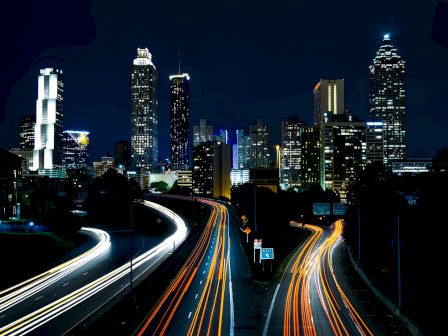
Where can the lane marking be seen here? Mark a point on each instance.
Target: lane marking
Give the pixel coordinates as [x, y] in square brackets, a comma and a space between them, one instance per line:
[203, 272]
[85, 273]
[40, 297]
[196, 296]
[65, 284]
[200, 282]
[189, 315]
[266, 325]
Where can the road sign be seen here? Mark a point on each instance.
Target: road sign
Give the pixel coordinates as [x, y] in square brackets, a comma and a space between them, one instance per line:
[247, 230]
[267, 253]
[244, 219]
[339, 209]
[321, 209]
[257, 244]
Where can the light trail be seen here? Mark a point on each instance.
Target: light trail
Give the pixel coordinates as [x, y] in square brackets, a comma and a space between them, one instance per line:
[41, 316]
[21, 291]
[205, 306]
[312, 272]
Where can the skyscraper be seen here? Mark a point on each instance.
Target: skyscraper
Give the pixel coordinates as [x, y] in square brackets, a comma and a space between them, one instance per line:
[203, 169]
[27, 126]
[260, 156]
[144, 142]
[47, 155]
[343, 154]
[122, 154]
[290, 153]
[180, 121]
[387, 99]
[310, 155]
[375, 142]
[202, 132]
[328, 99]
[243, 144]
[76, 149]
[222, 163]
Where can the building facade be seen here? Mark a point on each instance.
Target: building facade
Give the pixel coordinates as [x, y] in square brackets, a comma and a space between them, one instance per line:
[122, 154]
[328, 99]
[180, 121]
[202, 133]
[222, 164]
[76, 149]
[310, 155]
[144, 122]
[387, 99]
[243, 147]
[375, 142]
[203, 169]
[290, 153]
[27, 127]
[260, 156]
[48, 138]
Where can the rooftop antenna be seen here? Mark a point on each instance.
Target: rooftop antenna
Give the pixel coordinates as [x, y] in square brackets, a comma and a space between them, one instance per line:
[179, 62]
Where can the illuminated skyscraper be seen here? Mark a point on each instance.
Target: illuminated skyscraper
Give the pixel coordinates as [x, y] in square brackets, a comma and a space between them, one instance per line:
[27, 126]
[76, 149]
[310, 155]
[387, 99]
[203, 169]
[202, 133]
[144, 143]
[243, 144]
[328, 99]
[47, 155]
[180, 121]
[260, 156]
[290, 153]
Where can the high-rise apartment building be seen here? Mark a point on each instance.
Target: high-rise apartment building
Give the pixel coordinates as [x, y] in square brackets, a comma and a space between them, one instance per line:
[260, 156]
[290, 153]
[328, 99]
[180, 121]
[27, 126]
[202, 133]
[48, 154]
[343, 155]
[387, 99]
[144, 122]
[76, 149]
[310, 155]
[203, 169]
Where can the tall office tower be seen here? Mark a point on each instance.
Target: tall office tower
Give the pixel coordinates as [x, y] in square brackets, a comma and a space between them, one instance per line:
[328, 99]
[222, 136]
[47, 155]
[76, 149]
[122, 154]
[375, 142]
[387, 99]
[203, 169]
[260, 156]
[310, 144]
[222, 162]
[290, 153]
[27, 126]
[180, 121]
[144, 143]
[343, 155]
[202, 133]
[243, 144]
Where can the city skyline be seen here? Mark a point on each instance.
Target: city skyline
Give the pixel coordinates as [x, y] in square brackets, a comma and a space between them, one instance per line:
[237, 105]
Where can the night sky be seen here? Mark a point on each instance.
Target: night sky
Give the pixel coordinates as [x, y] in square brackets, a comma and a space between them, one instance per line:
[246, 61]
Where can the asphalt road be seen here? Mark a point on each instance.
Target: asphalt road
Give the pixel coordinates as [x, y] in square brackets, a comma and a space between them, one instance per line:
[55, 309]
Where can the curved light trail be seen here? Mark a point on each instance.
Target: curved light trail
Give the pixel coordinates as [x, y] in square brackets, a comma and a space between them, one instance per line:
[41, 316]
[19, 292]
[200, 293]
[312, 272]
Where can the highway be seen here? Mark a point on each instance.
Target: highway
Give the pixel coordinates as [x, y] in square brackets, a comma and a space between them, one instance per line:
[199, 300]
[61, 301]
[309, 300]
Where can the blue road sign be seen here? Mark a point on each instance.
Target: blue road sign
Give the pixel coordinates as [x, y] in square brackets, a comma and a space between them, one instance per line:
[339, 209]
[321, 209]
[267, 253]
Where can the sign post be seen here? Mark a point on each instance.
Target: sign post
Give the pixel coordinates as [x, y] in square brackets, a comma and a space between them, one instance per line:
[257, 246]
[247, 230]
[266, 254]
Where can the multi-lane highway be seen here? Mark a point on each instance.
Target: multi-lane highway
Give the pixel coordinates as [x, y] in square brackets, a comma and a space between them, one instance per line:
[309, 300]
[59, 299]
[199, 299]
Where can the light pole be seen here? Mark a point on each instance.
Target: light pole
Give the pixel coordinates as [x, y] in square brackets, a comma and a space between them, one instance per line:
[359, 235]
[398, 261]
